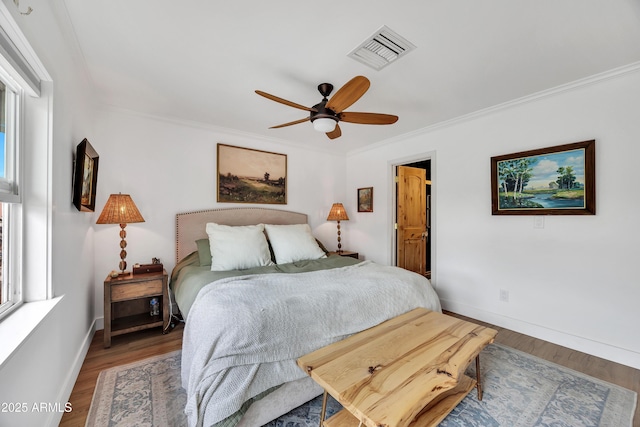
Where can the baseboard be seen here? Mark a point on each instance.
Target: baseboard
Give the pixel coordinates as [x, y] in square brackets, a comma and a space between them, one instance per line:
[70, 381]
[585, 345]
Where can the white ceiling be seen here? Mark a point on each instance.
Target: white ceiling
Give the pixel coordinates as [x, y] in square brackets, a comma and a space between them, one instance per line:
[201, 60]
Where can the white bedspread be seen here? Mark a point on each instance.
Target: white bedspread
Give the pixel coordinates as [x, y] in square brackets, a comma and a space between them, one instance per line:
[244, 334]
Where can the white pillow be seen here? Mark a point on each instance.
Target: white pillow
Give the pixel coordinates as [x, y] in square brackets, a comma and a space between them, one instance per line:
[292, 243]
[237, 247]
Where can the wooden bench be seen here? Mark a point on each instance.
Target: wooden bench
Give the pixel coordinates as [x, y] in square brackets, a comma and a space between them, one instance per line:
[407, 371]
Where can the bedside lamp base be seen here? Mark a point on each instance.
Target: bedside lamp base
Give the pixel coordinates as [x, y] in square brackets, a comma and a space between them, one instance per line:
[339, 244]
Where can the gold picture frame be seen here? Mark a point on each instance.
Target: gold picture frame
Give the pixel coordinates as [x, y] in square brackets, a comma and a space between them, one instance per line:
[245, 175]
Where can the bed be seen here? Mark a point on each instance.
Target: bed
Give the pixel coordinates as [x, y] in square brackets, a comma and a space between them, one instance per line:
[250, 312]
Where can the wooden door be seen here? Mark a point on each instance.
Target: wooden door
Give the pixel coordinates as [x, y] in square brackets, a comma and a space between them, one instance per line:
[412, 219]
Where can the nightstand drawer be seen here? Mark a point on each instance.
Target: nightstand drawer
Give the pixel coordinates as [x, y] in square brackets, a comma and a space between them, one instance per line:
[135, 290]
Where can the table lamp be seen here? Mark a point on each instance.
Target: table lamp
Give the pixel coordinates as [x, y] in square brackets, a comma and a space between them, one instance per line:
[337, 213]
[120, 209]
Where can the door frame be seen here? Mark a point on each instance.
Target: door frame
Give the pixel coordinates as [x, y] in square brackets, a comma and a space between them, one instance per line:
[392, 211]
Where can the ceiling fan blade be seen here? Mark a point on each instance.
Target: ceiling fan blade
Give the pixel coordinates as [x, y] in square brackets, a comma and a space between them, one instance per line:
[283, 101]
[290, 123]
[368, 118]
[336, 133]
[348, 94]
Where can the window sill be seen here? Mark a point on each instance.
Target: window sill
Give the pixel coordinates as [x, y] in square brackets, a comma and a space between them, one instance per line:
[17, 327]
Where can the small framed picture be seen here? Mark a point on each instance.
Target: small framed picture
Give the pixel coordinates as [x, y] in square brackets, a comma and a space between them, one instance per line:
[365, 199]
[85, 178]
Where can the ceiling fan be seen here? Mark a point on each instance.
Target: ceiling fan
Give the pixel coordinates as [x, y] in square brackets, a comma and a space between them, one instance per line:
[327, 113]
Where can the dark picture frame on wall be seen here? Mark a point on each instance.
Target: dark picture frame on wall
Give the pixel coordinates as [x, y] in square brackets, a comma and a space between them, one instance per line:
[365, 199]
[559, 180]
[246, 175]
[85, 179]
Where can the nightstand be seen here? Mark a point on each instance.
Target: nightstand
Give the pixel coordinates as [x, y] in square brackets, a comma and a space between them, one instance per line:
[346, 253]
[127, 303]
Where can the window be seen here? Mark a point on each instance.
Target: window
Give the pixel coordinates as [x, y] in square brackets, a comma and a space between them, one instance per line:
[26, 106]
[3, 128]
[10, 289]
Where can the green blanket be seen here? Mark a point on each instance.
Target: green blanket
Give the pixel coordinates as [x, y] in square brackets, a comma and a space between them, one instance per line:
[188, 277]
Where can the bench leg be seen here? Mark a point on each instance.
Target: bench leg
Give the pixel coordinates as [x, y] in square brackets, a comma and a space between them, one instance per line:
[478, 378]
[324, 408]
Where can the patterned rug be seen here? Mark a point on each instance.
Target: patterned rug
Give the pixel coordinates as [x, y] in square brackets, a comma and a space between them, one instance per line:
[520, 390]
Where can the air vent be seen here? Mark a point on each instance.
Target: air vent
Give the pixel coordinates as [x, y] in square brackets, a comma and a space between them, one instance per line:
[381, 49]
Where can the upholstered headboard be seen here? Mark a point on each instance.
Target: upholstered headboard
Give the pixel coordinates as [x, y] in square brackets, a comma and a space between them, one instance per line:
[190, 226]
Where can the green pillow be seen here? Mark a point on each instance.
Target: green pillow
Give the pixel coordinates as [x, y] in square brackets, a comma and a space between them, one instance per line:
[204, 252]
[322, 246]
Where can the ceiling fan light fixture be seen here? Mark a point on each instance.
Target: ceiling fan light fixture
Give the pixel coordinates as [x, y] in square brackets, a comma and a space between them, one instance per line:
[324, 124]
[326, 114]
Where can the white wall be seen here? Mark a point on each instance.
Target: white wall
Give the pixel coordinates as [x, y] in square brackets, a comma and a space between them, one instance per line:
[574, 281]
[166, 167]
[44, 369]
[169, 168]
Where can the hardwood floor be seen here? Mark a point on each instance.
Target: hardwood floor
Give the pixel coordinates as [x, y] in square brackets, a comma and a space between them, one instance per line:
[136, 346]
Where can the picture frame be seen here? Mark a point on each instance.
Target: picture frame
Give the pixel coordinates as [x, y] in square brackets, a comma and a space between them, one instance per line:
[559, 180]
[85, 177]
[246, 175]
[365, 199]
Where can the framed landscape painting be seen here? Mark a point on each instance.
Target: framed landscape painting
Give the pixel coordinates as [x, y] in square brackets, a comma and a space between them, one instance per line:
[251, 176]
[557, 180]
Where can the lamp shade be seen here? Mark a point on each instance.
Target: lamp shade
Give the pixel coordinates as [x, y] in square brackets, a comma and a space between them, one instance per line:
[324, 124]
[120, 209]
[337, 213]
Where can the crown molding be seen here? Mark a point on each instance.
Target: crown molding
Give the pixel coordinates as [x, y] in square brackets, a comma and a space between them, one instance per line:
[220, 129]
[577, 84]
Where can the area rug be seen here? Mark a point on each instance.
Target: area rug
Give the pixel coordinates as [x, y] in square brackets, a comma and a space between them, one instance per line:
[520, 390]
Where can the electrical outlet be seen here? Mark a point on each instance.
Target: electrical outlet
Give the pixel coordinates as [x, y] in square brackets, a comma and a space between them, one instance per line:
[538, 221]
[504, 295]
